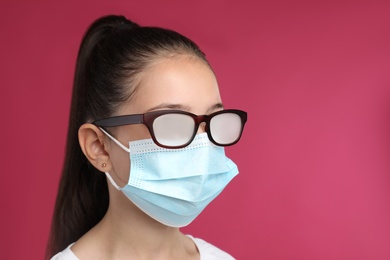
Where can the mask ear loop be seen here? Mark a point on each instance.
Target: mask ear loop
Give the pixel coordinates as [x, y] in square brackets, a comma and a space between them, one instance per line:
[121, 146]
[112, 181]
[115, 141]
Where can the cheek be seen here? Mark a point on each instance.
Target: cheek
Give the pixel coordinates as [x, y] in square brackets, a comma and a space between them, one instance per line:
[130, 133]
[120, 166]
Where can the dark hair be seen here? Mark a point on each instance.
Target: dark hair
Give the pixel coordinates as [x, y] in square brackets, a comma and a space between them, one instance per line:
[112, 55]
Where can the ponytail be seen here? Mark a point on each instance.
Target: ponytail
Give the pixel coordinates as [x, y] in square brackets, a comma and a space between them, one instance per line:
[82, 198]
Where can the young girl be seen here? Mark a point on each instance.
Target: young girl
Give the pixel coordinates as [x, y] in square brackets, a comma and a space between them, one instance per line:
[145, 147]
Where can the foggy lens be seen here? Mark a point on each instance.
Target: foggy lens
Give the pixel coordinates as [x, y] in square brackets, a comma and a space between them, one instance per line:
[173, 129]
[225, 128]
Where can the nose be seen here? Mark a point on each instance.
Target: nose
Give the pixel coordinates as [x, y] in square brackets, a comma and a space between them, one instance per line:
[201, 128]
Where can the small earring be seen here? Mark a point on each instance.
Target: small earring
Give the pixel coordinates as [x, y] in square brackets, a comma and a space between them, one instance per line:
[104, 165]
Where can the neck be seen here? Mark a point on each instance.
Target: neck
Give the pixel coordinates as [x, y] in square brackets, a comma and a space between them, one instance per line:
[132, 228]
[127, 231]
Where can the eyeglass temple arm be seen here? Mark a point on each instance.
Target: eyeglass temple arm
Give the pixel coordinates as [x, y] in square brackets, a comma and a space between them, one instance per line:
[119, 120]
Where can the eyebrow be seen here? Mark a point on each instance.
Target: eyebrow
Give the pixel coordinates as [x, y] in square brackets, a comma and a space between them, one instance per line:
[217, 106]
[212, 108]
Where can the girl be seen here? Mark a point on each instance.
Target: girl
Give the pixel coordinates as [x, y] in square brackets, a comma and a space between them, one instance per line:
[147, 116]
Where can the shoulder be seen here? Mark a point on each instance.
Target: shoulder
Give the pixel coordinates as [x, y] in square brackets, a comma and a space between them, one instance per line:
[67, 254]
[208, 251]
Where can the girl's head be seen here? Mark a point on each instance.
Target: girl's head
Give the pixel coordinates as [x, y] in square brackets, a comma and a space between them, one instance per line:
[133, 70]
[121, 69]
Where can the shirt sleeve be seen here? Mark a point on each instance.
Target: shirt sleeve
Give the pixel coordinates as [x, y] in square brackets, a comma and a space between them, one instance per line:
[208, 251]
[67, 254]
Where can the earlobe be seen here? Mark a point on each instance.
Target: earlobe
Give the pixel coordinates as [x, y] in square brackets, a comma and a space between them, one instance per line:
[92, 144]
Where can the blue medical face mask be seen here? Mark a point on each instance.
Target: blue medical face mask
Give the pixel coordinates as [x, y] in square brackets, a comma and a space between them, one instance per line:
[173, 186]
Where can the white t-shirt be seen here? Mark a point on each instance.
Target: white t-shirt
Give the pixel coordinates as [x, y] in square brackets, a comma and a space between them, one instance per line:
[206, 251]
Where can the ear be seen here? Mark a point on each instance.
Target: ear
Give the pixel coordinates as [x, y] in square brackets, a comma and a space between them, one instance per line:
[92, 143]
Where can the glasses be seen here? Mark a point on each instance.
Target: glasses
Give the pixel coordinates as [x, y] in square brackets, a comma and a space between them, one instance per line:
[176, 129]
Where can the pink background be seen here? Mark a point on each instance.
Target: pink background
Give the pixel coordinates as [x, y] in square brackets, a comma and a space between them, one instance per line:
[314, 159]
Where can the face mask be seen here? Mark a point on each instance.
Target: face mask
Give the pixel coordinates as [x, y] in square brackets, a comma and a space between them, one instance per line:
[173, 186]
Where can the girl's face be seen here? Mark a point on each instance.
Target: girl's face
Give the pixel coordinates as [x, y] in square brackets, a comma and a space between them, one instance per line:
[182, 83]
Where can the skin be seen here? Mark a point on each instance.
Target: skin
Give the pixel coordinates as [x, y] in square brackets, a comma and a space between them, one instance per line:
[125, 232]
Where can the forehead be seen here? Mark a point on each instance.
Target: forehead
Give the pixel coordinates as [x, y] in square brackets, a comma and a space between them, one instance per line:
[183, 81]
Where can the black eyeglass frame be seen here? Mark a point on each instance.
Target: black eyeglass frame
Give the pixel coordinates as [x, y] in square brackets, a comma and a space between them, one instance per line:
[148, 118]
